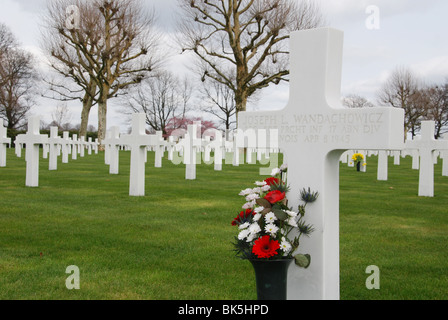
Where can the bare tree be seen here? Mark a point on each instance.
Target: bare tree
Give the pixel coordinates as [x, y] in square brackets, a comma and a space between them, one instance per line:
[401, 90]
[61, 116]
[17, 80]
[218, 100]
[161, 98]
[110, 47]
[7, 39]
[75, 82]
[356, 101]
[242, 44]
[437, 107]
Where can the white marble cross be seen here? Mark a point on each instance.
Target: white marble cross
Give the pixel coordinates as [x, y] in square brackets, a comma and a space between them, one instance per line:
[242, 139]
[75, 146]
[414, 154]
[170, 147]
[206, 141]
[444, 157]
[90, 145]
[95, 145]
[314, 130]
[112, 145]
[383, 165]
[159, 149]
[396, 154]
[137, 142]
[193, 145]
[4, 141]
[66, 144]
[32, 139]
[107, 148]
[82, 146]
[426, 145]
[217, 145]
[54, 141]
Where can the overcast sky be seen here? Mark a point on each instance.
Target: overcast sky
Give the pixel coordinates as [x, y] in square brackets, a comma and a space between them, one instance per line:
[411, 33]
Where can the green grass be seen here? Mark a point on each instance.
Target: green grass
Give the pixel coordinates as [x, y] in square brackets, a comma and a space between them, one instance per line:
[175, 243]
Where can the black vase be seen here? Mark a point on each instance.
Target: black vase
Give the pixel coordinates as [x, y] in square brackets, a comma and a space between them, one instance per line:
[358, 166]
[271, 278]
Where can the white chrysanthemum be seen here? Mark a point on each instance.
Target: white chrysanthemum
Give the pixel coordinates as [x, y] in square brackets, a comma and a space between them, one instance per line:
[292, 222]
[245, 192]
[257, 217]
[245, 225]
[275, 172]
[283, 167]
[291, 213]
[256, 190]
[271, 229]
[254, 228]
[266, 188]
[251, 237]
[260, 183]
[249, 205]
[259, 209]
[252, 196]
[285, 246]
[243, 234]
[270, 217]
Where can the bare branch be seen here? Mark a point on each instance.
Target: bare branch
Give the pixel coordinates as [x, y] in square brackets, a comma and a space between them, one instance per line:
[243, 38]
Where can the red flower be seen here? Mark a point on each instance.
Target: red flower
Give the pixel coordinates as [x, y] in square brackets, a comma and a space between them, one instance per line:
[264, 247]
[272, 181]
[275, 196]
[242, 217]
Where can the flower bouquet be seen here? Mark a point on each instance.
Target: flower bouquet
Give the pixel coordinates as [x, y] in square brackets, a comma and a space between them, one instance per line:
[358, 158]
[268, 228]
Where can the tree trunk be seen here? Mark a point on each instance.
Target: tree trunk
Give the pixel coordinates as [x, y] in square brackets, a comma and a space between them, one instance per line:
[86, 106]
[102, 122]
[240, 103]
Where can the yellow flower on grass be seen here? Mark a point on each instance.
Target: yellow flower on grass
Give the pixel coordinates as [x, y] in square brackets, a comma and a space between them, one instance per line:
[357, 157]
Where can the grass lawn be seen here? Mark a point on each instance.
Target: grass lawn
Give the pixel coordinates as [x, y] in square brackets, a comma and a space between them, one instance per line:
[175, 243]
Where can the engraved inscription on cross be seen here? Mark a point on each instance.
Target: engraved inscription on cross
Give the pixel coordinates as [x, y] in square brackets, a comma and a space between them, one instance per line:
[313, 131]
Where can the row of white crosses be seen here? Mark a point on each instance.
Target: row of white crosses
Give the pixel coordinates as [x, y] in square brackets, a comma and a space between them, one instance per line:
[113, 142]
[426, 146]
[424, 150]
[52, 145]
[137, 142]
[189, 146]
